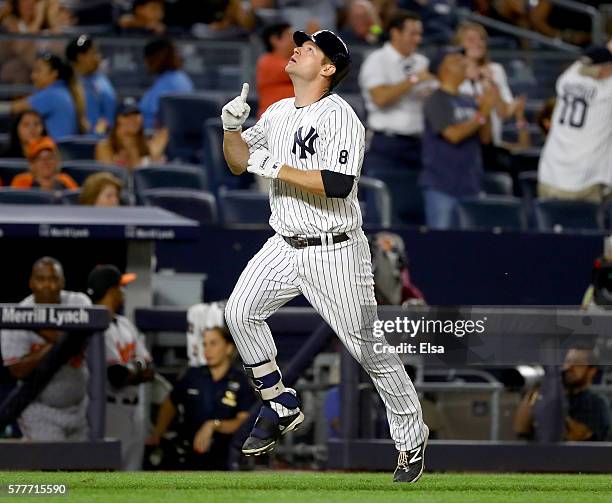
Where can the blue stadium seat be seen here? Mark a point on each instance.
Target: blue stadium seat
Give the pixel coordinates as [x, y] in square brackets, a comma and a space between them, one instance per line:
[26, 196]
[80, 170]
[527, 160]
[11, 167]
[70, 196]
[198, 205]
[492, 212]
[170, 176]
[220, 175]
[528, 185]
[78, 147]
[183, 115]
[497, 184]
[244, 207]
[375, 202]
[553, 215]
[406, 195]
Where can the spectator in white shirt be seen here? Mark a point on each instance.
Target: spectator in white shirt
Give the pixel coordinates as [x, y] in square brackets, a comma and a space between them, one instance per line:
[395, 81]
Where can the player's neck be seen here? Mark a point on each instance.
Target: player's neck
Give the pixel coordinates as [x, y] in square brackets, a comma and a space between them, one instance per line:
[307, 93]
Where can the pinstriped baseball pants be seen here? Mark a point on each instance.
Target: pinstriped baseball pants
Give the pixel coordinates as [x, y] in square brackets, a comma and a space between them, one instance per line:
[337, 280]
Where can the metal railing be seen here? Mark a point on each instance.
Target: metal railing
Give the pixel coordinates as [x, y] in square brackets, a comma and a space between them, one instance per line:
[515, 31]
[597, 19]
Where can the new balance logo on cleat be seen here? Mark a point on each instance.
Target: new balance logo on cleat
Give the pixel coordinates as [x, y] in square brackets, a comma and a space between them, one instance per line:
[415, 455]
[410, 464]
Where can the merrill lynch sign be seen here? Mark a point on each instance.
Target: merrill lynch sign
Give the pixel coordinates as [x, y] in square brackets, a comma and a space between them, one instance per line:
[52, 316]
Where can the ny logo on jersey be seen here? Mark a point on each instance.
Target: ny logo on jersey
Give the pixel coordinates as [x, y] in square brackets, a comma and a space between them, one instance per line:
[306, 144]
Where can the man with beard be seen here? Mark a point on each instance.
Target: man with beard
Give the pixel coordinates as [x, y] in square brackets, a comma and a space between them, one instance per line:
[59, 412]
[587, 415]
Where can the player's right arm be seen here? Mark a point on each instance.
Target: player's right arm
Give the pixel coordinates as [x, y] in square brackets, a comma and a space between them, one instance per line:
[235, 148]
[21, 368]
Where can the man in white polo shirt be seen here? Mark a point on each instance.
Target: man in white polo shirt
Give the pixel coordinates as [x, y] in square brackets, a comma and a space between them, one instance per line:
[395, 81]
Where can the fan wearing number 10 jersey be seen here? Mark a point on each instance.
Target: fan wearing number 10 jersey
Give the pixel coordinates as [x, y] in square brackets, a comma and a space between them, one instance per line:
[576, 162]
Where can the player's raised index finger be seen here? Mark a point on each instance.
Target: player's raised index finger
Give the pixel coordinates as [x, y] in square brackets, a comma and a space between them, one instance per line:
[245, 91]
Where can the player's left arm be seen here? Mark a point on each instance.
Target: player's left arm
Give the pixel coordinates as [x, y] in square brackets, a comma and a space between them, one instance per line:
[341, 148]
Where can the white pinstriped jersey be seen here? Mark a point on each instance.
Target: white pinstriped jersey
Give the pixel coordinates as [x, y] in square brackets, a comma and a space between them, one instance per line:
[578, 149]
[326, 135]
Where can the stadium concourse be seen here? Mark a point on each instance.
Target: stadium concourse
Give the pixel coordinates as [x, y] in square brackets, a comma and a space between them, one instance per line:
[471, 141]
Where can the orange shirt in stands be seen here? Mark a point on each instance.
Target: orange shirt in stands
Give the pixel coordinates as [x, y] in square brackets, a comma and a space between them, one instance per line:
[273, 83]
[26, 181]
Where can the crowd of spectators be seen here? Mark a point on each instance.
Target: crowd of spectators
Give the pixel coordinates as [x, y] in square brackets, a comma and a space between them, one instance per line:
[73, 94]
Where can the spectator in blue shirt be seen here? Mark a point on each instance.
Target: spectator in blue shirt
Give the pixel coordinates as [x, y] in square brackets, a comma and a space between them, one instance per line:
[59, 98]
[100, 95]
[163, 61]
[455, 125]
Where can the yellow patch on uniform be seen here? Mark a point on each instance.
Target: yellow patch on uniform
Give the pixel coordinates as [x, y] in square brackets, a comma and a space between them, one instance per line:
[229, 399]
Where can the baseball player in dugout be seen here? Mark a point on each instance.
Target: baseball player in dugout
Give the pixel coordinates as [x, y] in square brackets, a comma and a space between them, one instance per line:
[59, 412]
[128, 365]
[576, 161]
[311, 148]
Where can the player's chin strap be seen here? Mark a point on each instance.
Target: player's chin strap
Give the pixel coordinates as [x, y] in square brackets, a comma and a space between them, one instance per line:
[266, 379]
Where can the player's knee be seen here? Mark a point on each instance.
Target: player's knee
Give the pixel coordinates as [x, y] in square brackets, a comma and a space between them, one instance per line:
[236, 313]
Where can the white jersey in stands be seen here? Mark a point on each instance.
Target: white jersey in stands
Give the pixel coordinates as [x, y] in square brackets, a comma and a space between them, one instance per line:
[324, 135]
[578, 149]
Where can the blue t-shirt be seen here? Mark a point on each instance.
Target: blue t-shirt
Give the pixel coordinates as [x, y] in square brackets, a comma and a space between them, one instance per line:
[455, 169]
[55, 104]
[175, 81]
[100, 98]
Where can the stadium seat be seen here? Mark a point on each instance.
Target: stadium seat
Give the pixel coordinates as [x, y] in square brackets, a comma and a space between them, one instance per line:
[170, 176]
[80, 170]
[78, 147]
[375, 201]
[526, 160]
[528, 185]
[497, 184]
[219, 173]
[70, 196]
[492, 212]
[244, 207]
[406, 195]
[26, 196]
[183, 115]
[198, 205]
[553, 215]
[11, 167]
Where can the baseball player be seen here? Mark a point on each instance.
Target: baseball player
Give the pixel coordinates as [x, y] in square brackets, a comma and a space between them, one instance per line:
[311, 148]
[576, 162]
[128, 364]
[59, 412]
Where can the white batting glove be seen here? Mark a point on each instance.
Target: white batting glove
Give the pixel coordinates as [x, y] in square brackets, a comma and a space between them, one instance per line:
[234, 113]
[262, 163]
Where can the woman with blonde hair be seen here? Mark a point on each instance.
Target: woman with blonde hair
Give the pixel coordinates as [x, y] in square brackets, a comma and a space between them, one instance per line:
[101, 189]
[482, 74]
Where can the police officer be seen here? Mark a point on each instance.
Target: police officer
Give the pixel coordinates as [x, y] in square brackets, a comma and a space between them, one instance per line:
[212, 402]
